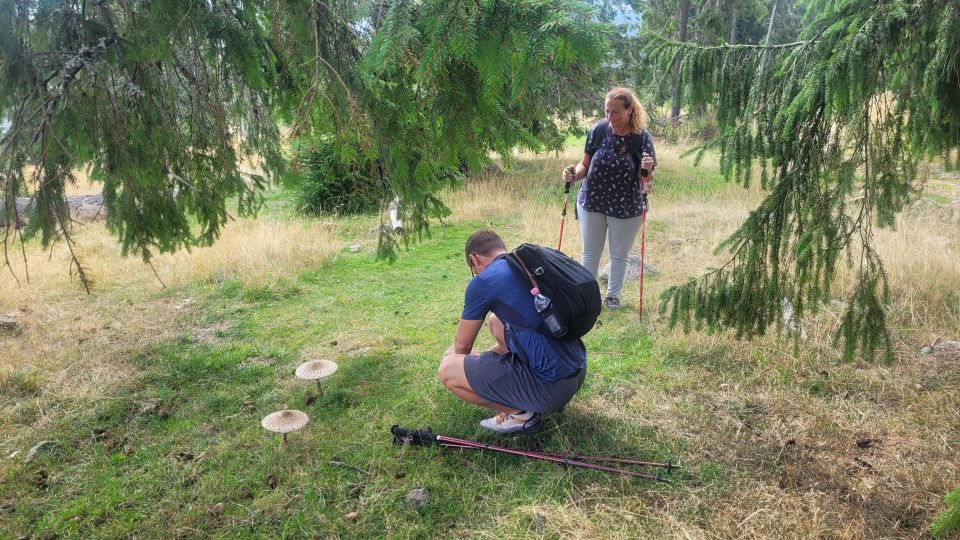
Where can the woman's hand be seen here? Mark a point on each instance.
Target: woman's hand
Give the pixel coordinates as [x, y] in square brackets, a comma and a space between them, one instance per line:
[569, 173]
[647, 163]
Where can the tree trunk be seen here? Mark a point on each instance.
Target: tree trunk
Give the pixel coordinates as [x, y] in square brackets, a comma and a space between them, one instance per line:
[734, 12]
[766, 40]
[684, 16]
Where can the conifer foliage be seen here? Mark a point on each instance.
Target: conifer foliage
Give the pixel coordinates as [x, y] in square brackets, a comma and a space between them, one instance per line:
[152, 97]
[949, 521]
[164, 100]
[837, 124]
[440, 85]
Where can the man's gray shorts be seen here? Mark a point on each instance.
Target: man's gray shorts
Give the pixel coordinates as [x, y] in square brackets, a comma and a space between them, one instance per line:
[507, 380]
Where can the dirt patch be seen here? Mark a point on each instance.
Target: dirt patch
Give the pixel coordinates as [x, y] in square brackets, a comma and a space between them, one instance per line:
[213, 334]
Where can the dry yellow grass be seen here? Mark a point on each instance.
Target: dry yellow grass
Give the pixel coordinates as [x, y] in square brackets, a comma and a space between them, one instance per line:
[76, 346]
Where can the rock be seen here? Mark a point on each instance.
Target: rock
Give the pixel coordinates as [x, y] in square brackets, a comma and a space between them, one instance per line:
[148, 406]
[943, 347]
[9, 325]
[87, 207]
[41, 447]
[418, 498]
[792, 325]
[633, 270]
[355, 248]
[352, 516]
[81, 207]
[22, 204]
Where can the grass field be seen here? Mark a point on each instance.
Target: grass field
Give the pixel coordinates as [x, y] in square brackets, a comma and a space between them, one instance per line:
[153, 396]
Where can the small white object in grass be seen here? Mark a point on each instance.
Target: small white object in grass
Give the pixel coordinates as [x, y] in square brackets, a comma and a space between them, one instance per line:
[355, 248]
[40, 448]
[393, 209]
[285, 421]
[418, 498]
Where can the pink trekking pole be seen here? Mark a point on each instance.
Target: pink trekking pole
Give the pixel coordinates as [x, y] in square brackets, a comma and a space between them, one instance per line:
[643, 231]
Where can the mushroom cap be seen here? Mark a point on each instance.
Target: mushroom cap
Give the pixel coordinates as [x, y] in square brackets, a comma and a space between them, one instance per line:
[316, 369]
[285, 421]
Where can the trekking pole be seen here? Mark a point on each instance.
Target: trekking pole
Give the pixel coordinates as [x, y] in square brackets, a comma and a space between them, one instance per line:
[670, 466]
[427, 438]
[643, 231]
[563, 213]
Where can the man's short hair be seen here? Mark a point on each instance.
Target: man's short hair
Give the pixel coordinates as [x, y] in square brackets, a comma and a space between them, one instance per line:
[483, 242]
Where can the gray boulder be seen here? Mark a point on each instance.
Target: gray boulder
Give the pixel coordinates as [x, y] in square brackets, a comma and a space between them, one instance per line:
[82, 208]
[418, 498]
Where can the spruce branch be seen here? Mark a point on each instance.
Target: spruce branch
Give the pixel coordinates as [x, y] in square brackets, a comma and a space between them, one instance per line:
[834, 114]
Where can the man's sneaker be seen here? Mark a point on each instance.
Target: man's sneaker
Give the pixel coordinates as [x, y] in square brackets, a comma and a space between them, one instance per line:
[611, 302]
[505, 423]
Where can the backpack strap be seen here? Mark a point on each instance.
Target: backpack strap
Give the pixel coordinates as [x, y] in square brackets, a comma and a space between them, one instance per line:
[634, 145]
[513, 254]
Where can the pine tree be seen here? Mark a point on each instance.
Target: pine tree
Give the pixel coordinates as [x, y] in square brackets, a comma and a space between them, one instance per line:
[838, 123]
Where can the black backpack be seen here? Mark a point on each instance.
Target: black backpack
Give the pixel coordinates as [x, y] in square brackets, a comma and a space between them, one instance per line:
[572, 290]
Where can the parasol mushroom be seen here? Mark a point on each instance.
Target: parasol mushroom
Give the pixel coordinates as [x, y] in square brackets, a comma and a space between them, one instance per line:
[316, 370]
[285, 422]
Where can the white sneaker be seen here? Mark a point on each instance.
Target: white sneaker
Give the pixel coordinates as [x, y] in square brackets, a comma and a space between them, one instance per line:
[504, 423]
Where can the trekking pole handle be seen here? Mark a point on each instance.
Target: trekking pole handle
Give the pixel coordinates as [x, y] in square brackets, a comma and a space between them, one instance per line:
[413, 437]
[572, 169]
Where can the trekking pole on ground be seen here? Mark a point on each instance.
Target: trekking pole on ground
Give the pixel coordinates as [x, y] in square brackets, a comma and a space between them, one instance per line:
[411, 437]
[643, 230]
[563, 213]
[670, 466]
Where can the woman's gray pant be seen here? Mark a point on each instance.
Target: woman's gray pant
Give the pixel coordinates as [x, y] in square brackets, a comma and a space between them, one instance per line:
[594, 229]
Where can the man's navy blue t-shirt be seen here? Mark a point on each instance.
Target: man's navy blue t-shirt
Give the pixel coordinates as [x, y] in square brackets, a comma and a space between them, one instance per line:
[500, 289]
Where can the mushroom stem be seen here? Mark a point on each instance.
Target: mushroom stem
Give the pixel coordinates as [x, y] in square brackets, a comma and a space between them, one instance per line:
[284, 438]
[319, 387]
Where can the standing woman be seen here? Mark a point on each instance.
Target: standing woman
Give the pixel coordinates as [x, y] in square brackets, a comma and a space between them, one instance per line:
[611, 198]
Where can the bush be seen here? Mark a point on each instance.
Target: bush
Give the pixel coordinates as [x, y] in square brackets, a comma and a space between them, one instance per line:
[329, 182]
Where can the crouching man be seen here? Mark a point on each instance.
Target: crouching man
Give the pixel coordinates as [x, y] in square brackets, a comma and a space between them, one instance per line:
[526, 373]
